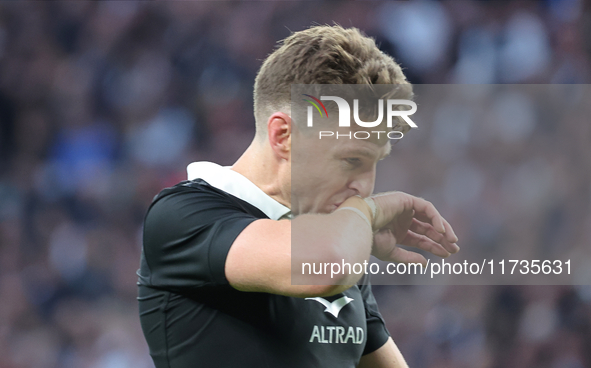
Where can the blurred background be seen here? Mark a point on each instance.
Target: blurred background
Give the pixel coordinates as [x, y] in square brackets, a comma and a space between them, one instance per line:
[103, 104]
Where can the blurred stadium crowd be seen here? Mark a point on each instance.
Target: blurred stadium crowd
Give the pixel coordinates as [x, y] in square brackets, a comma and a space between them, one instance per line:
[102, 104]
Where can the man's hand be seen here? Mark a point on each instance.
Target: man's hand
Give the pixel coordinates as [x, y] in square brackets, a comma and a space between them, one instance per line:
[407, 220]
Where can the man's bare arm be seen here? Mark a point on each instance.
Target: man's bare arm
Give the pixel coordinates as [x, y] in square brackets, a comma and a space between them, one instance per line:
[260, 258]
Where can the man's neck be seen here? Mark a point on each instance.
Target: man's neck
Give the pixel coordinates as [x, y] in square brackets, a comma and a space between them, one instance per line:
[259, 165]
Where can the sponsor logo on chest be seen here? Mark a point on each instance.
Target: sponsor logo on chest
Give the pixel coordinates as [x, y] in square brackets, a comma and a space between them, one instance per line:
[336, 334]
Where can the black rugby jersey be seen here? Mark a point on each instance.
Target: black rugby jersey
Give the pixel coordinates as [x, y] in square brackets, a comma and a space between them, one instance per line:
[192, 317]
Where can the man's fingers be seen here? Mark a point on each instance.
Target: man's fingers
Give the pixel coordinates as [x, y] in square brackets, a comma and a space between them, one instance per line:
[385, 249]
[405, 256]
[450, 235]
[426, 212]
[428, 230]
[423, 242]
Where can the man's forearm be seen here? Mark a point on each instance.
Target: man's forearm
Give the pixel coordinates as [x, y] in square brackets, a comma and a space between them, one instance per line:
[344, 235]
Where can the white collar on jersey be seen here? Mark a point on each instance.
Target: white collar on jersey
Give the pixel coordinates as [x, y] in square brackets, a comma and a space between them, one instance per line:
[237, 185]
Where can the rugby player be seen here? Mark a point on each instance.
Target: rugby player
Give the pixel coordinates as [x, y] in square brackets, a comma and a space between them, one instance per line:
[215, 282]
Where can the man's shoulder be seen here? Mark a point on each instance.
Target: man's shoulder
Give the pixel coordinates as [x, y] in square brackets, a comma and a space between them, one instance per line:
[197, 188]
[188, 186]
[188, 193]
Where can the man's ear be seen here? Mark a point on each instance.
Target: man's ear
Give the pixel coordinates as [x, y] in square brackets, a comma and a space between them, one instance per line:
[279, 134]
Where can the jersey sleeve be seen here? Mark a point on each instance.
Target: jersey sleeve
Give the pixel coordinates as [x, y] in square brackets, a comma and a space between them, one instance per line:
[187, 236]
[377, 333]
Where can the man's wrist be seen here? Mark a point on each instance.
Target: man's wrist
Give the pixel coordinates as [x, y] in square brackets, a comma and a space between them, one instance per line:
[374, 209]
[359, 204]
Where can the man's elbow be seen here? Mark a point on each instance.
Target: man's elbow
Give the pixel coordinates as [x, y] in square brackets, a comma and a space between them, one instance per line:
[325, 282]
[311, 291]
[328, 290]
[326, 270]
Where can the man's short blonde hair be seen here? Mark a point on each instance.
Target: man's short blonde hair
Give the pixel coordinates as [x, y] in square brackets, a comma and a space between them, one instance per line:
[319, 55]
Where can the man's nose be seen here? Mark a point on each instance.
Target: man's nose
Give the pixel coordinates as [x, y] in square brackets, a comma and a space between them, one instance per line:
[364, 183]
